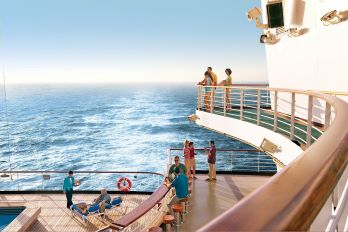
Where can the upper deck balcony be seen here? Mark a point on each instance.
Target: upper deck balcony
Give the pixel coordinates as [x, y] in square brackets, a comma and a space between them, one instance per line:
[310, 191]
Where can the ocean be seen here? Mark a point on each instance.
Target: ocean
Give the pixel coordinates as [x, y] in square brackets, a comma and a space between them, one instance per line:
[98, 127]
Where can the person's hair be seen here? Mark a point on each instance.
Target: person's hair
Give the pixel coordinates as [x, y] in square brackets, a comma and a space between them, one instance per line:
[210, 68]
[229, 71]
[177, 170]
[176, 157]
[212, 142]
[71, 172]
[207, 74]
[191, 143]
[186, 142]
[82, 206]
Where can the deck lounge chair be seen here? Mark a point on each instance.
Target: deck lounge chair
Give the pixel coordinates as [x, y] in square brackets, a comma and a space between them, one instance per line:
[115, 206]
[93, 211]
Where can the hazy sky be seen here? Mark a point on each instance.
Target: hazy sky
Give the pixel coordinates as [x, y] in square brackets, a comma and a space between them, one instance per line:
[129, 40]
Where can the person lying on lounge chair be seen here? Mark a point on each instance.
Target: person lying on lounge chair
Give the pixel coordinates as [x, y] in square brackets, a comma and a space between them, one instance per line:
[83, 207]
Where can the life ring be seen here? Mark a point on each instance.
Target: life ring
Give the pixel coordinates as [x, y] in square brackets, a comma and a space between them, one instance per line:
[124, 184]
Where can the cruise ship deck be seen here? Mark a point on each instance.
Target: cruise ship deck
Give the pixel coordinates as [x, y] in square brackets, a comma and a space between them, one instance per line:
[215, 196]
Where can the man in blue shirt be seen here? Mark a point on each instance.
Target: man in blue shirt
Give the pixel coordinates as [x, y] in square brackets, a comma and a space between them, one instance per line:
[180, 183]
[68, 188]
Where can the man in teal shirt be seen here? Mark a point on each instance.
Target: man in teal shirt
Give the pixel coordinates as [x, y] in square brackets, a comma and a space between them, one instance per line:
[68, 188]
[180, 183]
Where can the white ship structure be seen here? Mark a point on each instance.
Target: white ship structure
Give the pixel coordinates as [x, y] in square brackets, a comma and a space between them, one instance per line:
[299, 121]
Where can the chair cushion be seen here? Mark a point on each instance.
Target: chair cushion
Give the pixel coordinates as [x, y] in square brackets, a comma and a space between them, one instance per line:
[116, 201]
[93, 208]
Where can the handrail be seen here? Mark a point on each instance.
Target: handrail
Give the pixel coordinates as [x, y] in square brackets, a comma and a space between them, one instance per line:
[95, 179]
[143, 208]
[98, 172]
[220, 149]
[256, 87]
[136, 213]
[292, 199]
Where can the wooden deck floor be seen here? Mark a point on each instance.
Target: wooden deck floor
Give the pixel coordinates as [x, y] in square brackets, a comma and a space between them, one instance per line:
[209, 199]
[56, 217]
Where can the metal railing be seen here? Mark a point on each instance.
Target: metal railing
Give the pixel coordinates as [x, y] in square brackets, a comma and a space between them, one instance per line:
[296, 197]
[90, 180]
[139, 218]
[272, 109]
[231, 160]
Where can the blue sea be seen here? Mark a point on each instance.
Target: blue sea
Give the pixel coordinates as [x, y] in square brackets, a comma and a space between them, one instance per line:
[99, 127]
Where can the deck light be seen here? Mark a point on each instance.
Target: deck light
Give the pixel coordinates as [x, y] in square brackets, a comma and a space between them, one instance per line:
[293, 32]
[193, 118]
[269, 38]
[332, 17]
[268, 146]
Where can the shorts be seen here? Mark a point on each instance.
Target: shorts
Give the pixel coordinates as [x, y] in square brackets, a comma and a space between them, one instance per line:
[187, 164]
[193, 162]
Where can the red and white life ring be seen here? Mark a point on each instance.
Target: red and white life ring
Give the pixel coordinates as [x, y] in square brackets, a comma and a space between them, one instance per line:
[124, 184]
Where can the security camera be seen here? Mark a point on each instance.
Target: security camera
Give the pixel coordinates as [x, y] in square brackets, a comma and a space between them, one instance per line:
[253, 13]
[331, 17]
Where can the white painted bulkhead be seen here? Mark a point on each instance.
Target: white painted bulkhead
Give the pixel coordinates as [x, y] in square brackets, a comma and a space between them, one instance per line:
[316, 60]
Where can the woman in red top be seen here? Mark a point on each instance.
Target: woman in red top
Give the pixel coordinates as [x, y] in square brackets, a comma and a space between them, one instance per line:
[186, 152]
[192, 160]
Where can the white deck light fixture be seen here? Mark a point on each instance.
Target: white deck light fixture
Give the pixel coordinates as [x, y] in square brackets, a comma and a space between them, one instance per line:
[332, 17]
[269, 38]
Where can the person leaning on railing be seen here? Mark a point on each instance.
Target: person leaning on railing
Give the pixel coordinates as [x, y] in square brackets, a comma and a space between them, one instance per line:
[227, 82]
[208, 91]
[182, 168]
[213, 75]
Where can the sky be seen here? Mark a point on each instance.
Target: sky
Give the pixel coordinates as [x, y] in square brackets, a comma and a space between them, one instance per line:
[128, 41]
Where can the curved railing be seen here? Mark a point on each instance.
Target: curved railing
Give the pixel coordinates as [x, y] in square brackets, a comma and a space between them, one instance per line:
[293, 198]
[231, 161]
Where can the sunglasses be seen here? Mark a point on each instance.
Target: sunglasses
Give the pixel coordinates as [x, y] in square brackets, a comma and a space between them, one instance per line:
[176, 160]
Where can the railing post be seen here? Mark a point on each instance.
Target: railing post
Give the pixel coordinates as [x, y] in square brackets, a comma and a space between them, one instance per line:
[42, 181]
[212, 95]
[258, 107]
[275, 111]
[199, 93]
[327, 116]
[258, 162]
[169, 160]
[241, 104]
[225, 101]
[232, 162]
[309, 120]
[292, 121]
